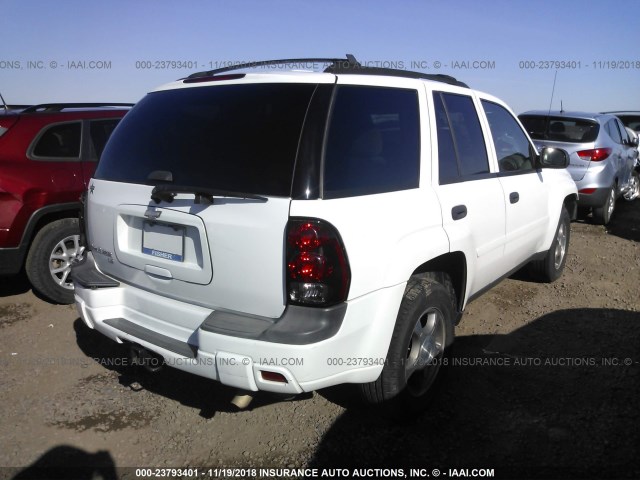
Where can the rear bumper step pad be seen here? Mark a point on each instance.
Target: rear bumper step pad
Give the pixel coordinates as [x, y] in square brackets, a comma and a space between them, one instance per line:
[162, 341]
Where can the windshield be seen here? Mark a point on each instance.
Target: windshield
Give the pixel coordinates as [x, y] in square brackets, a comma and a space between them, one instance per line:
[240, 138]
[560, 129]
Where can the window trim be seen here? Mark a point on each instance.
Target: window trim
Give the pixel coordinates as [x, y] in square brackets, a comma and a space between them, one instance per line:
[514, 173]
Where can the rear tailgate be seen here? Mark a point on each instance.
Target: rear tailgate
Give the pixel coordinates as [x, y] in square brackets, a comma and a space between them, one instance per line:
[219, 251]
[572, 134]
[227, 255]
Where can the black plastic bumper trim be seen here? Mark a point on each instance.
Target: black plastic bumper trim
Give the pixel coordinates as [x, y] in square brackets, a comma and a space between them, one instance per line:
[162, 341]
[297, 325]
[11, 260]
[87, 275]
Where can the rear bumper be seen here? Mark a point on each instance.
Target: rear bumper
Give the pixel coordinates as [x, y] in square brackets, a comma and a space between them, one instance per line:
[595, 199]
[600, 176]
[310, 348]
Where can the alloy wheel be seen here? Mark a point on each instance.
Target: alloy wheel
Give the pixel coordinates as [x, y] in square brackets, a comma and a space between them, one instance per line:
[63, 254]
[561, 246]
[424, 351]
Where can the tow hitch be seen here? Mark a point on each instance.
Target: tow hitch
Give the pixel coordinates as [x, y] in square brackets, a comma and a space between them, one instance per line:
[140, 356]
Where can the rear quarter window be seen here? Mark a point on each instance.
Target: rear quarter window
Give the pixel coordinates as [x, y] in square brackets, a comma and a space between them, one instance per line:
[59, 142]
[373, 142]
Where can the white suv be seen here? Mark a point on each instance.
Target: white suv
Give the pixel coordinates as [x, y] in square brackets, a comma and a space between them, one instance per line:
[291, 231]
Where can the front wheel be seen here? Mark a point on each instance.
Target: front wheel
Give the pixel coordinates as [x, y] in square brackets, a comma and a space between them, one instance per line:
[418, 348]
[549, 268]
[49, 260]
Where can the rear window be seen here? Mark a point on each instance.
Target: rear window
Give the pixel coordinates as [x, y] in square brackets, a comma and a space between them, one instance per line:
[560, 129]
[240, 138]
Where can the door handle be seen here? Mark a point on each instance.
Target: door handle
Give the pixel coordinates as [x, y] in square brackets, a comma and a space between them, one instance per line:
[459, 212]
[514, 197]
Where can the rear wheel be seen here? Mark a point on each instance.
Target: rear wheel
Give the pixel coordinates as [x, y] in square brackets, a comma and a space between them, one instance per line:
[602, 215]
[49, 260]
[417, 353]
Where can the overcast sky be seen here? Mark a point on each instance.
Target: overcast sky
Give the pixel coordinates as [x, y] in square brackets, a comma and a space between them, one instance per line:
[113, 51]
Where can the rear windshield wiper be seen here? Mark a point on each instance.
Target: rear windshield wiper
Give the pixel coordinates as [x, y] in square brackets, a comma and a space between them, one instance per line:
[168, 192]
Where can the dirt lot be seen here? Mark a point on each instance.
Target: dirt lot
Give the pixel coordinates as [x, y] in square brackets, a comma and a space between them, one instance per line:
[546, 384]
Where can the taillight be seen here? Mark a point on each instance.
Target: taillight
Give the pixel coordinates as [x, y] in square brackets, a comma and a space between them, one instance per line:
[587, 191]
[318, 271]
[595, 155]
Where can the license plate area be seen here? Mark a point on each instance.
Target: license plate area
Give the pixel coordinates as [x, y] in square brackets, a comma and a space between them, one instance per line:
[162, 240]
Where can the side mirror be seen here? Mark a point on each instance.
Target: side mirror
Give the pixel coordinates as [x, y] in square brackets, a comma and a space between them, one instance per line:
[553, 158]
[634, 142]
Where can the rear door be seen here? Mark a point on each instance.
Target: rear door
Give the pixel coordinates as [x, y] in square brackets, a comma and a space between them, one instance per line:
[218, 250]
[471, 198]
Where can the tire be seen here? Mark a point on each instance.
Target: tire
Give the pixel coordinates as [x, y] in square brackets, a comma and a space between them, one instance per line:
[48, 263]
[419, 346]
[602, 215]
[634, 187]
[550, 268]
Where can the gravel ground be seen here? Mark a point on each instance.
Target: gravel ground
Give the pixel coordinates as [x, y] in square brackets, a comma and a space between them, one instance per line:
[544, 383]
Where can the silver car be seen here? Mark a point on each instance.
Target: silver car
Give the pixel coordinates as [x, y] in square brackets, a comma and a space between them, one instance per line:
[602, 155]
[634, 192]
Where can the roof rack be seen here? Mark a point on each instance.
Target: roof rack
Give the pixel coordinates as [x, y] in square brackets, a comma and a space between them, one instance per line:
[392, 72]
[349, 60]
[336, 65]
[57, 107]
[11, 107]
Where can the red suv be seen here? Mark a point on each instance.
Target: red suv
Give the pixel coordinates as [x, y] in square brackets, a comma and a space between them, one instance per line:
[48, 153]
